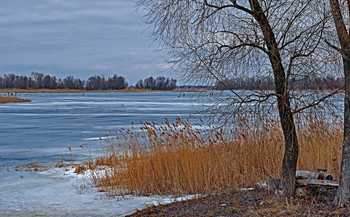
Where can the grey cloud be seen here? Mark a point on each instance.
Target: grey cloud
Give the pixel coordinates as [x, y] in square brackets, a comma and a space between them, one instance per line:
[83, 37]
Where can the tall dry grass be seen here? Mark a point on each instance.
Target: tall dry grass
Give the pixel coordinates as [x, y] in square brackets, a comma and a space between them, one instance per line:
[12, 99]
[175, 158]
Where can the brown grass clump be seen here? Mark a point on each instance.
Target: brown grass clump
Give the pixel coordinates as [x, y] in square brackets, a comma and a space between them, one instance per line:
[175, 158]
[12, 99]
[34, 166]
[79, 167]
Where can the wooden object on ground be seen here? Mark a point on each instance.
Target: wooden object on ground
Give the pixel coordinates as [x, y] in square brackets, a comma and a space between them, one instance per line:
[317, 183]
[315, 179]
[302, 174]
[304, 179]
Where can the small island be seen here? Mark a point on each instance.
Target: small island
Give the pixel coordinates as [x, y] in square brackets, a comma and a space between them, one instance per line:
[12, 99]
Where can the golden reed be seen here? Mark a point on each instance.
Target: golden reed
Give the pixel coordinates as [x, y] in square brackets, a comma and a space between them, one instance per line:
[175, 158]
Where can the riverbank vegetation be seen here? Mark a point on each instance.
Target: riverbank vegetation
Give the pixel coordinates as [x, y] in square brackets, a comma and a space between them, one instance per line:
[177, 158]
[127, 90]
[12, 99]
[159, 83]
[310, 83]
[69, 91]
[40, 81]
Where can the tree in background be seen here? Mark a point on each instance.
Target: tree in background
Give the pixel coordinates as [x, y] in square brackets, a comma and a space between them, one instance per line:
[222, 39]
[116, 83]
[139, 84]
[309, 83]
[95, 82]
[101, 83]
[42, 81]
[149, 83]
[160, 83]
[72, 83]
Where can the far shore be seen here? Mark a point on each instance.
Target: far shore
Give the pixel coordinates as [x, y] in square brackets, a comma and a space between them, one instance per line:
[13, 92]
[12, 99]
[99, 91]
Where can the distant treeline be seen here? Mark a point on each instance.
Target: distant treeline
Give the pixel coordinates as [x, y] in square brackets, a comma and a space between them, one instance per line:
[159, 83]
[97, 82]
[267, 83]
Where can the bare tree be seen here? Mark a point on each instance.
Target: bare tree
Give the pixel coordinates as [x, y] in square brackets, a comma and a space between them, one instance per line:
[221, 39]
[343, 193]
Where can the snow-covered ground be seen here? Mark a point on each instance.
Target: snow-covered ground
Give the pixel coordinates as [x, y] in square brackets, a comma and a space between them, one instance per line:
[58, 192]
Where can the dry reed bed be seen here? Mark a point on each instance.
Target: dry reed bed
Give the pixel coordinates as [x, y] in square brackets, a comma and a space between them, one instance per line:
[12, 99]
[174, 158]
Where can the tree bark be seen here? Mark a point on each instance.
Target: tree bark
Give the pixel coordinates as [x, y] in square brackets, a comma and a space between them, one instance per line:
[289, 164]
[291, 151]
[343, 194]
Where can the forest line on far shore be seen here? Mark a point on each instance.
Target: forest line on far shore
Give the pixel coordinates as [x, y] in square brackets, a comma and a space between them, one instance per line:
[39, 82]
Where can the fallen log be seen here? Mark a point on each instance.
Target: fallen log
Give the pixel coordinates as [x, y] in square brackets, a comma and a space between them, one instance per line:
[319, 179]
[305, 180]
[302, 174]
[317, 183]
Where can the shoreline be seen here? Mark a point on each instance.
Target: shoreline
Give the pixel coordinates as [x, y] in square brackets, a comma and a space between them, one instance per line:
[255, 202]
[100, 91]
[131, 90]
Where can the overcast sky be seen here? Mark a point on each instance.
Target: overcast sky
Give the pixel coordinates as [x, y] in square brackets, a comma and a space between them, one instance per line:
[77, 37]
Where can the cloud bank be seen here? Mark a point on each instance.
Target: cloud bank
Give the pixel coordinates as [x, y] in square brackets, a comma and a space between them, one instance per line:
[76, 37]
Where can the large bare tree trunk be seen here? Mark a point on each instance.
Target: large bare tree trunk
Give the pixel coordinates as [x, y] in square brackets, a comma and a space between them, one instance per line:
[291, 150]
[220, 39]
[291, 153]
[343, 193]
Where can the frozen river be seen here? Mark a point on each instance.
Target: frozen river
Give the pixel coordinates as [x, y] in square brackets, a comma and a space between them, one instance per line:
[42, 130]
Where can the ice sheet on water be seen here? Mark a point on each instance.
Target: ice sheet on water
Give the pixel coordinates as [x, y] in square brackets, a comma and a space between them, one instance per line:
[57, 192]
[98, 138]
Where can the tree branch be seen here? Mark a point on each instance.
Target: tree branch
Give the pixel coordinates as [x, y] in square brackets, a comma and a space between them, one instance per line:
[239, 7]
[333, 46]
[290, 23]
[316, 102]
[243, 43]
